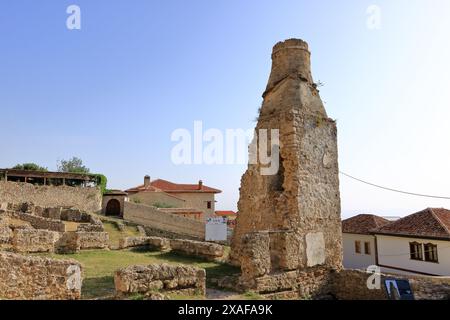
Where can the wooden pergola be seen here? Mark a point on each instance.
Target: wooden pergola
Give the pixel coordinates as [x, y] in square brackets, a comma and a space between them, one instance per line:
[48, 178]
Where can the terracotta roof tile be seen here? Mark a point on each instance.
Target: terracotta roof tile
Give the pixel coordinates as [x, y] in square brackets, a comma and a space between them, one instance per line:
[363, 223]
[429, 223]
[225, 213]
[171, 187]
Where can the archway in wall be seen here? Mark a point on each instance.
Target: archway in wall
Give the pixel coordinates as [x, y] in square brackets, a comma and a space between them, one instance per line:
[113, 208]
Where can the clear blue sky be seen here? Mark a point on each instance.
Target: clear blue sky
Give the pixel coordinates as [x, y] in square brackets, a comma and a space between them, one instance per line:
[113, 92]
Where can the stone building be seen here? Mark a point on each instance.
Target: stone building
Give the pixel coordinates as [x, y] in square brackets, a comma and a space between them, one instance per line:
[190, 200]
[288, 231]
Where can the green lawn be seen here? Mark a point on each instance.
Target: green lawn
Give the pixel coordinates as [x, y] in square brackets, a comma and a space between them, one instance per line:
[100, 265]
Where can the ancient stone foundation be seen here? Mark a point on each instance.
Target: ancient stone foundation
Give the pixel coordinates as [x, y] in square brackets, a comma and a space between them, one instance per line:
[288, 232]
[205, 250]
[36, 278]
[178, 279]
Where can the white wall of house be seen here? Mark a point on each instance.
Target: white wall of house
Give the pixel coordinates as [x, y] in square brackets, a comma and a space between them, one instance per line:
[393, 252]
[353, 260]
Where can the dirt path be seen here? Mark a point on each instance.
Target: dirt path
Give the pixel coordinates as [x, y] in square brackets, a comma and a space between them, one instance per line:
[215, 294]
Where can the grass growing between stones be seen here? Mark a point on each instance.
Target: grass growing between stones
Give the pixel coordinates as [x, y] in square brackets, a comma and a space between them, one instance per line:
[99, 267]
[115, 234]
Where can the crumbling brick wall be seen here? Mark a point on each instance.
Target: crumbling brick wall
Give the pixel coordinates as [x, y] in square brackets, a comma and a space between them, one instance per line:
[178, 279]
[35, 278]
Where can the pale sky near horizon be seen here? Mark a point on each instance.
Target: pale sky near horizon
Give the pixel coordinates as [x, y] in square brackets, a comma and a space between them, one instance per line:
[113, 92]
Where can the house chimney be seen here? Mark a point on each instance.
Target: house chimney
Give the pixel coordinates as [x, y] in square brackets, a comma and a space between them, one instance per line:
[200, 184]
[147, 181]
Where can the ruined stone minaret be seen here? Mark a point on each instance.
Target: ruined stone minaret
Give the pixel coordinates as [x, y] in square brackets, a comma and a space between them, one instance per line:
[289, 224]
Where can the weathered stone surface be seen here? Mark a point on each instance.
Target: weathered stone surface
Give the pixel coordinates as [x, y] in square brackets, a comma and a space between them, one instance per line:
[40, 222]
[75, 215]
[87, 199]
[32, 240]
[352, 285]
[90, 227]
[52, 213]
[5, 231]
[160, 244]
[298, 207]
[129, 242]
[160, 277]
[68, 243]
[200, 249]
[93, 240]
[256, 249]
[38, 278]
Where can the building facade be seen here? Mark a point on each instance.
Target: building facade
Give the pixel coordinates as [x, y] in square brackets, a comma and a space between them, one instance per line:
[418, 244]
[196, 201]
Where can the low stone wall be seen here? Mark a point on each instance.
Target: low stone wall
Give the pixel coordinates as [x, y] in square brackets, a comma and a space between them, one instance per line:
[40, 222]
[73, 242]
[179, 279]
[6, 232]
[207, 250]
[75, 215]
[352, 285]
[93, 240]
[35, 278]
[167, 223]
[27, 240]
[86, 199]
[154, 243]
[90, 227]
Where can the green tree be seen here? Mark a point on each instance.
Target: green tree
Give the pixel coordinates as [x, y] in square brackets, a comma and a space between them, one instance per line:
[30, 166]
[74, 165]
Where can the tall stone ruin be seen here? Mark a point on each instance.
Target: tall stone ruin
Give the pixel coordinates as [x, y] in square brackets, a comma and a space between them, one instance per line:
[288, 233]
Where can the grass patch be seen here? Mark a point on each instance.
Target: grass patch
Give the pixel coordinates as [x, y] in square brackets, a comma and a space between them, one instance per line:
[250, 295]
[115, 234]
[99, 267]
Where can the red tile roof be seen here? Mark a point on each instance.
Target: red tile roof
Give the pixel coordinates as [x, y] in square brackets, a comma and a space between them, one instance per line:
[226, 213]
[171, 187]
[428, 223]
[363, 223]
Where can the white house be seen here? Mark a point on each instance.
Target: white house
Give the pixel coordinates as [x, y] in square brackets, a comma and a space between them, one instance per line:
[360, 249]
[416, 244]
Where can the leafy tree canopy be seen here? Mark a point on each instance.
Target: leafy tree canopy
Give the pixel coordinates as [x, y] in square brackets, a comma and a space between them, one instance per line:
[74, 165]
[30, 166]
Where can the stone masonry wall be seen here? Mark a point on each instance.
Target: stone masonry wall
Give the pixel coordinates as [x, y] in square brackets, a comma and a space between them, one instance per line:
[179, 279]
[26, 240]
[35, 278]
[40, 222]
[152, 218]
[352, 285]
[86, 199]
[93, 240]
[297, 207]
[206, 250]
